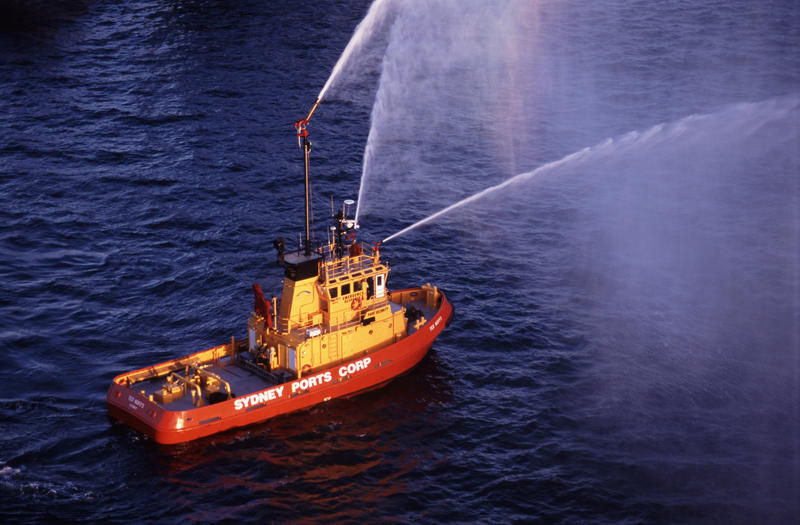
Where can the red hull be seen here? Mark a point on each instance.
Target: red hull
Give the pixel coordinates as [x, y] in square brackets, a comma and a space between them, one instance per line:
[381, 366]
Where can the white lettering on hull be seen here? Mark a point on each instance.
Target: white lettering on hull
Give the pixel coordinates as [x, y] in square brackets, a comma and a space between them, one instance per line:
[259, 398]
[304, 384]
[354, 367]
[311, 381]
[435, 323]
[134, 403]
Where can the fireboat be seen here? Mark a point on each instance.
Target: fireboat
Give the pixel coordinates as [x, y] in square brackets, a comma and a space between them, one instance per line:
[337, 330]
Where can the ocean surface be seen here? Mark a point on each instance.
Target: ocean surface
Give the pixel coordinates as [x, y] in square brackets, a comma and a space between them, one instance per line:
[626, 346]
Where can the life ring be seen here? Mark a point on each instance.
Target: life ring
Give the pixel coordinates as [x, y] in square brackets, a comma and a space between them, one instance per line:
[356, 304]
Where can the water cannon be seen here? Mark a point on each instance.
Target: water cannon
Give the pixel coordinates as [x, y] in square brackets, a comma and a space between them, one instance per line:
[300, 125]
[302, 132]
[313, 108]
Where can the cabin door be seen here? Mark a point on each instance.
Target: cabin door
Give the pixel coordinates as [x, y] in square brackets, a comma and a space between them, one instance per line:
[380, 286]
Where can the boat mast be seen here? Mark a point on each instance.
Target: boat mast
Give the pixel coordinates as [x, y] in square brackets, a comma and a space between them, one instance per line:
[305, 144]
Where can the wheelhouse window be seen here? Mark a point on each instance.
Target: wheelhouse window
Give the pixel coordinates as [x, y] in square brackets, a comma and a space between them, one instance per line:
[334, 292]
[357, 286]
[345, 289]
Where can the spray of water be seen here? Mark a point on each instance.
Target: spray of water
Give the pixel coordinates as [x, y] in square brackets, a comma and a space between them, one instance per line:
[514, 180]
[750, 117]
[453, 90]
[678, 254]
[377, 15]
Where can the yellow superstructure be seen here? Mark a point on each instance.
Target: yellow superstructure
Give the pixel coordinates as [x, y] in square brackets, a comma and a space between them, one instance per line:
[334, 306]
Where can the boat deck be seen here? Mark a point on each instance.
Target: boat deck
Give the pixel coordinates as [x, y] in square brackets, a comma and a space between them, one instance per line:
[241, 373]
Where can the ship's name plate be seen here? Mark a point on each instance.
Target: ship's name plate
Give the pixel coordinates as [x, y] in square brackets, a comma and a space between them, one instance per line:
[306, 383]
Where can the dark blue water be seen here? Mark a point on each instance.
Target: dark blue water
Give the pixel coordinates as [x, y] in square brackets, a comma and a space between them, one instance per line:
[626, 346]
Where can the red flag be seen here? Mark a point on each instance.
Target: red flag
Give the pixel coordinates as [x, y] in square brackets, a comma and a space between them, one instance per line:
[262, 306]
